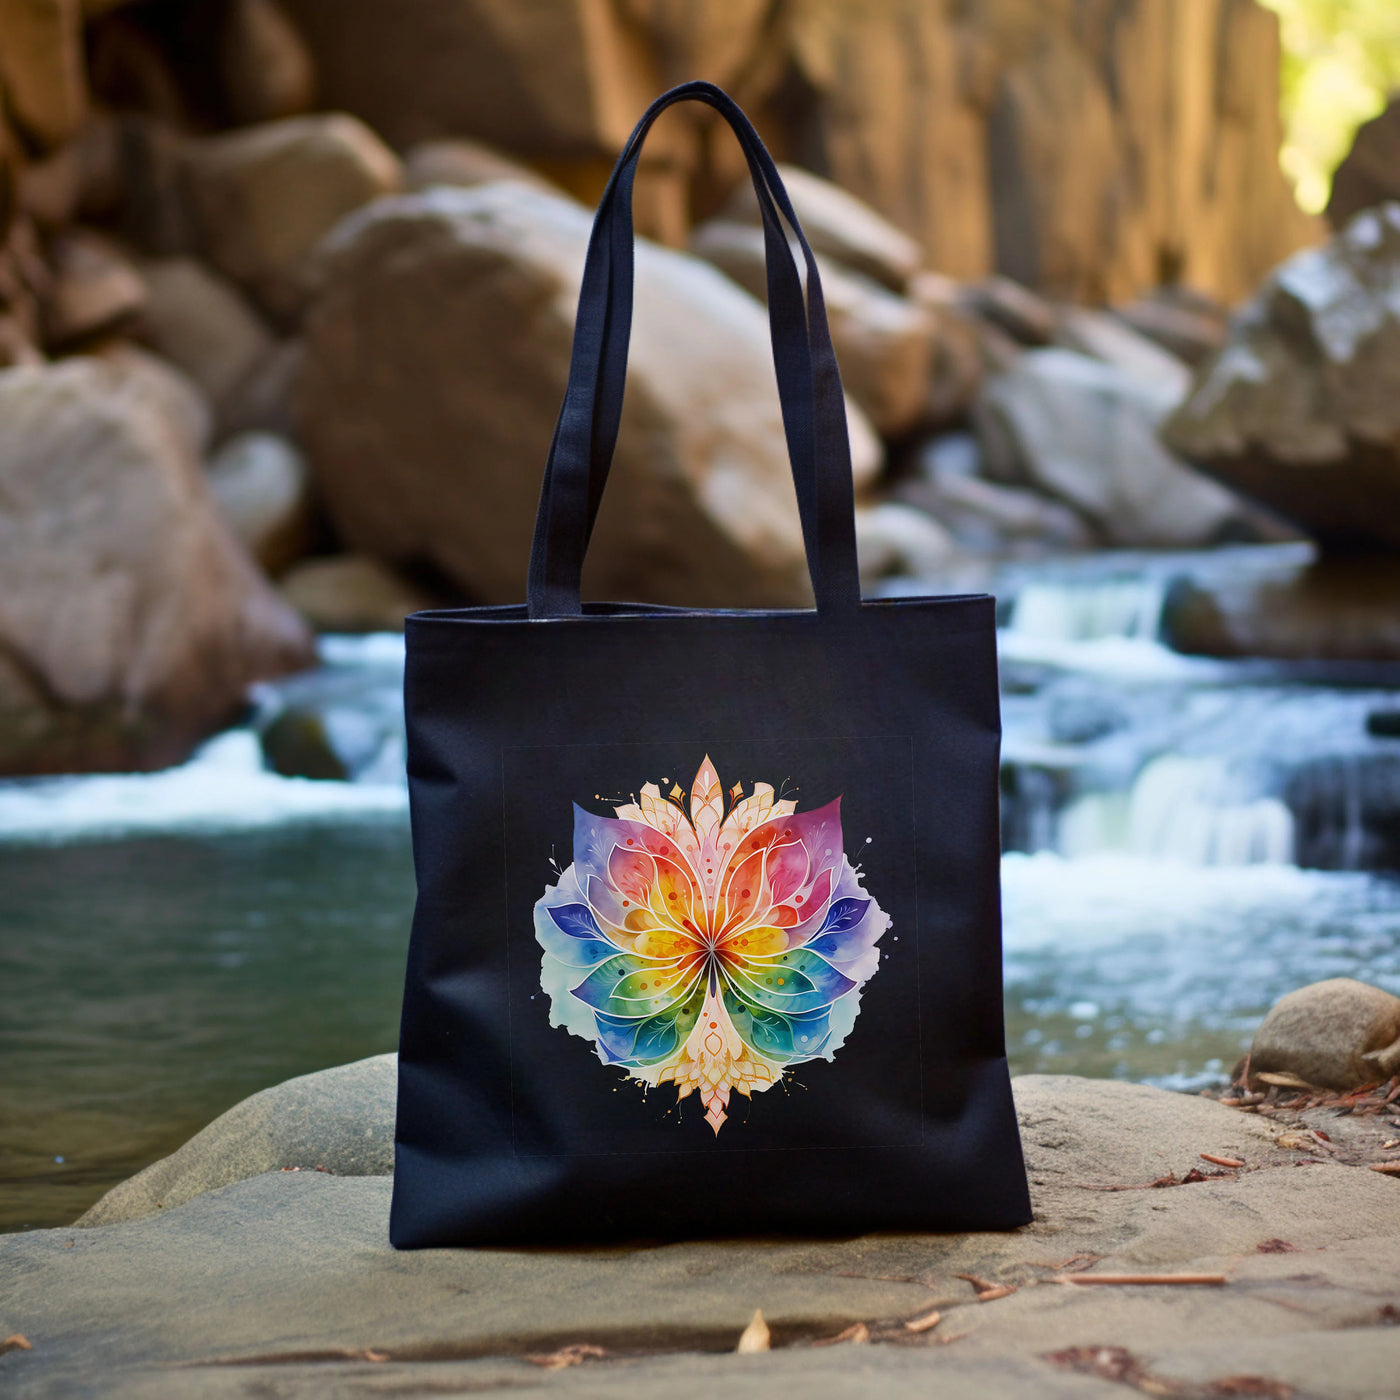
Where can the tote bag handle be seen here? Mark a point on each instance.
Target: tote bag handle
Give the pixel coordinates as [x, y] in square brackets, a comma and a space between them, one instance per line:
[809, 385]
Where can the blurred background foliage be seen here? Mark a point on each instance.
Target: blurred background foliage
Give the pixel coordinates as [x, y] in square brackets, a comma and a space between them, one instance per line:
[1341, 62]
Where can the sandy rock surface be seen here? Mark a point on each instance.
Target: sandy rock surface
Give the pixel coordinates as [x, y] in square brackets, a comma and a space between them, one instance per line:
[283, 1284]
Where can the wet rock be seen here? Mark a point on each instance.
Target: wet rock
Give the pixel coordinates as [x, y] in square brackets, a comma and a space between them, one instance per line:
[41, 68]
[352, 593]
[1370, 172]
[339, 1119]
[266, 69]
[1332, 610]
[884, 342]
[894, 538]
[1301, 409]
[265, 196]
[131, 621]
[839, 225]
[94, 288]
[297, 745]
[202, 323]
[446, 317]
[1085, 432]
[461, 162]
[1384, 724]
[1337, 1034]
[1346, 811]
[264, 490]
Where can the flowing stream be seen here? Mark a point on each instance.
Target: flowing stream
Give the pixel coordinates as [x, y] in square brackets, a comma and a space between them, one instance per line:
[1185, 840]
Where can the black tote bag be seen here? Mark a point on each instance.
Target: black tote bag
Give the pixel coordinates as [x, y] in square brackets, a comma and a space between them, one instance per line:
[707, 938]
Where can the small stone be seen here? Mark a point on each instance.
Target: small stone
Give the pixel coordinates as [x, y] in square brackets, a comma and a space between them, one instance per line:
[1337, 1034]
[202, 323]
[351, 593]
[94, 288]
[1023, 314]
[263, 487]
[463, 163]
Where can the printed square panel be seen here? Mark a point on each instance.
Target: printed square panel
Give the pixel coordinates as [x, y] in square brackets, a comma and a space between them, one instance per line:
[713, 945]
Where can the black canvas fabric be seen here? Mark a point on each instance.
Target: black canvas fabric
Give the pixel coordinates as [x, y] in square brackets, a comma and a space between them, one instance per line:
[707, 938]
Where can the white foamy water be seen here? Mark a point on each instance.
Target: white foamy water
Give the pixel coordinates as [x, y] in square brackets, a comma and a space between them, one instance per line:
[224, 787]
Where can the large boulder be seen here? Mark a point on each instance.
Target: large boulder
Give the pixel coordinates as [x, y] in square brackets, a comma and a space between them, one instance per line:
[437, 356]
[131, 621]
[884, 342]
[1301, 409]
[1085, 432]
[1370, 172]
[264, 196]
[1337, 1034]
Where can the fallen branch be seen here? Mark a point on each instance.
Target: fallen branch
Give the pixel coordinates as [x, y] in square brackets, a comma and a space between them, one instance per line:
[925, 1322]
[987, 1292]
[573, 1355]
[1205, 1280]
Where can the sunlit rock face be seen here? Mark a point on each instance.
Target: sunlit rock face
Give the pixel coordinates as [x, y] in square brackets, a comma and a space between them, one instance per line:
[1301, 408]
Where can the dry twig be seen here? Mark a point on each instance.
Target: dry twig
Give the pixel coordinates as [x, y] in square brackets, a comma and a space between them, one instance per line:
[756, 1336]
[1208, 1280]
[925, 1322]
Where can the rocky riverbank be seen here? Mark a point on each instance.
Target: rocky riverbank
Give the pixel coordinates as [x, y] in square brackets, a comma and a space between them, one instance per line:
[236, 1267]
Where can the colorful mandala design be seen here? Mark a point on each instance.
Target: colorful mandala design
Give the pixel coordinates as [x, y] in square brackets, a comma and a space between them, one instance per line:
[706, 949]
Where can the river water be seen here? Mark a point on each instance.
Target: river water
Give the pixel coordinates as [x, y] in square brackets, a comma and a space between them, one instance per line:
[1185, 841]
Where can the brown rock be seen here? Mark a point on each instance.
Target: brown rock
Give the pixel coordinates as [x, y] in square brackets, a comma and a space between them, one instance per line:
[352, 593]
[838, 224]
[1085, 431]
[1333, 609]
[130, 620]
[563, 78]
[264, 491]
[885, 343]
[266, 69]
[265, 196]
[1088, 157]
[895, 538]
[1370, 172]
[1189, 327]
[202, 323]
[1105, 337]
[94, 288]
[149, 194]
[1337, 1034]
[1301, 409]
[458, 161]
[41, 67]
[437, 355]
[266, 400]
[1025, 316]
[165, 389]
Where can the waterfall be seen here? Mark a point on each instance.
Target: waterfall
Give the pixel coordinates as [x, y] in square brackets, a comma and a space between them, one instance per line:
[1192, 810]
[1082, 612]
